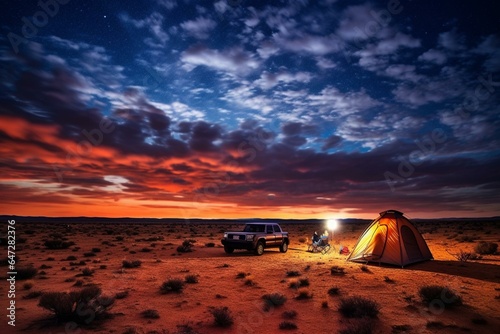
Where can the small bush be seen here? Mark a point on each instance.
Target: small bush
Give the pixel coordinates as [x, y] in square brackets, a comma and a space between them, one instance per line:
[287, 325]
[358, 307]
[464, 256]
[292, 273]
[389, 280]
[303, 294]
[87, 271]
[365, 269]
[336, 270]
[241, 275]
[71, 258]
[295, 284]
[431, 293]
[26, 273]
[186, 246]
[150, 314]
[58, 244]
[96, 250]
[69, 306]
[191, 279]
[324, 304]
[485, 248]
[89, 254]
[249, 282]
[222, 316]
[209, 244]
[27, 285]
[465, 238]
[274, 299]
[172, 285]
[121, 294]
[131, 264]
[334, 291]
[302, 240]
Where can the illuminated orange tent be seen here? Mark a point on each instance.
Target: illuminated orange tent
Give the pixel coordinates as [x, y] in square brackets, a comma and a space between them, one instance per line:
[392, 239]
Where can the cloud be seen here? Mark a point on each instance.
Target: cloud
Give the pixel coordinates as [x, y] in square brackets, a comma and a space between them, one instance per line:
[332, 102]
[331, 142]
[153, 23]
[433, 56]
[490, 47]
[234, 61]
[269, 80]
[199, 28]
[451, 40]
[310, 44]
[359, 23]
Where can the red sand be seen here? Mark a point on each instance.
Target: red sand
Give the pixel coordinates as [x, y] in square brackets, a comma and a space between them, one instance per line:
[395, 289]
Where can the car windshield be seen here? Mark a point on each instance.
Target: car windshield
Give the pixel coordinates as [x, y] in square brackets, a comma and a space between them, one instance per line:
[254, 228]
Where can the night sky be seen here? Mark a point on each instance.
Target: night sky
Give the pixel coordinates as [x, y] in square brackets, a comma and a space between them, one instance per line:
[239, 108]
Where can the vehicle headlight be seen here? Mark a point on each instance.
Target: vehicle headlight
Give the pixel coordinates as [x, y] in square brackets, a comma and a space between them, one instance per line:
[225, 235]
[249, 237]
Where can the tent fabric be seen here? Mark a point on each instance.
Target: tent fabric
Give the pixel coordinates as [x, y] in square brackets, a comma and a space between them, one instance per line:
[391, 239]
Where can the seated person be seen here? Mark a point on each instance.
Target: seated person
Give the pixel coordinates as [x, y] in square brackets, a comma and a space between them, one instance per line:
[323, 239]
[315, 239]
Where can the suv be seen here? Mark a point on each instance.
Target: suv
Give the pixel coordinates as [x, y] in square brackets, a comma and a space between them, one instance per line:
[255, 237]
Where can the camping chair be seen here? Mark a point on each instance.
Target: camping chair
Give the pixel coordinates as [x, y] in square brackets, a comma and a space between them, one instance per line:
[323, 247]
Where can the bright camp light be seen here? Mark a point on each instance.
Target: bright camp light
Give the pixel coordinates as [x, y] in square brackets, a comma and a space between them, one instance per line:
[331, 224]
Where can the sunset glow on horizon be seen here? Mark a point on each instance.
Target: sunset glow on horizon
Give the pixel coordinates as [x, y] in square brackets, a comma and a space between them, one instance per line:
[250, 109]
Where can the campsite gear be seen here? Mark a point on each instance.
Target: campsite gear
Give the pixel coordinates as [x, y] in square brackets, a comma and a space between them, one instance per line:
[343, 250]
[391, 239]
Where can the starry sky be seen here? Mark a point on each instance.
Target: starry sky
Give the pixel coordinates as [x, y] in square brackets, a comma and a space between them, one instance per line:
[240, 108]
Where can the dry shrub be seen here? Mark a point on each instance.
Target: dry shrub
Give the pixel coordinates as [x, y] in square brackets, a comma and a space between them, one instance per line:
[334, 291]
[150, 314]
[292, 273]
[191, 279]
[303, 294]
[121, 294]
[434, 293]
[485, 248]
[58, 244]
[336, 270]
[358, 307]
[131, 264]
[172, 285]
[274, 299]
[222, 316]
[186, 247]
[26, 272]
[79, 306]
[287, 325]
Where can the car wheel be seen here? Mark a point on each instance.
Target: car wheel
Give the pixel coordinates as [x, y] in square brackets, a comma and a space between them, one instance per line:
[228, 249]
[259, 250]
[284, 247]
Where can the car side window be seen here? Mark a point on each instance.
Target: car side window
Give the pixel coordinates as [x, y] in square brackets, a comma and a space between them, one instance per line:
[277, 229]
[269, 229]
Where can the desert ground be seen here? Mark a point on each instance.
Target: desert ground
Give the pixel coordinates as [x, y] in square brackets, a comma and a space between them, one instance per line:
[130, 262]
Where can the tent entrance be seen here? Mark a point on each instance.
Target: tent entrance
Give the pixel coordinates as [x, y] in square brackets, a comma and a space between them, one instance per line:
[375, 247]
[410, 243]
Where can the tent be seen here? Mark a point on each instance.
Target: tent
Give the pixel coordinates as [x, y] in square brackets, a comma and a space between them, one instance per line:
[391, 239]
